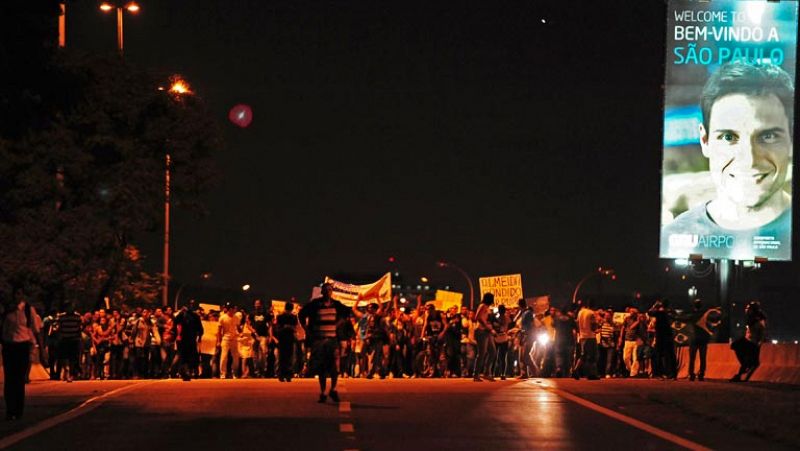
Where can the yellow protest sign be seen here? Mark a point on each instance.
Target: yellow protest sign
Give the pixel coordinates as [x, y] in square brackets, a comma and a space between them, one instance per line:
[446, 299]
[507, 289]
[209, 307]
[278, 306]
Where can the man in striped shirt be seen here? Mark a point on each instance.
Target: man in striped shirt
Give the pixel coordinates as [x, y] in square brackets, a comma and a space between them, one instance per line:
[320, 318]
[69, 342]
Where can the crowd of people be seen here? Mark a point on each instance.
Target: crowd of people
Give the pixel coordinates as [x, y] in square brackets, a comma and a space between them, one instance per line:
[377, 341]
[328, 340]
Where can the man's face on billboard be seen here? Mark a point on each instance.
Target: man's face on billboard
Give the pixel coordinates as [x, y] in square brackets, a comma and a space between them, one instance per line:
[748, 146]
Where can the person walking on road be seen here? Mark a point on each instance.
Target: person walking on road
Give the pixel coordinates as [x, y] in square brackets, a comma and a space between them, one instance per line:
[261, 318]
[483, 335]
[20, 324]
[228, 341]
[287, 324]
[748, 348]
[188, 330]
[666, 361]
[524, 322]
[588, 327]
[633, 335]
[69, 343]
[320, 318]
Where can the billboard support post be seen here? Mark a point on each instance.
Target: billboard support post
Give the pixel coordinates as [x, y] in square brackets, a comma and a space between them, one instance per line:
[723, 274]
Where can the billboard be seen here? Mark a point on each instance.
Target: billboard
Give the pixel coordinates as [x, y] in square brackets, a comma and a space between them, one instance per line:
[507, 289]
[728, 129]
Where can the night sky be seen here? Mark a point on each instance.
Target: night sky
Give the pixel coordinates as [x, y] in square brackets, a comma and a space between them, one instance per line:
[503, 136]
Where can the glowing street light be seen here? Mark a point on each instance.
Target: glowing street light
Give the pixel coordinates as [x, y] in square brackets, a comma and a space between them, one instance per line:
[245, 287]
[131, 7]
[179, 87]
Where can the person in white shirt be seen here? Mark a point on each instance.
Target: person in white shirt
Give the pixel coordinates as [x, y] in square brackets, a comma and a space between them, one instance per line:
[228, 340]
[588, 327]
[20, 324]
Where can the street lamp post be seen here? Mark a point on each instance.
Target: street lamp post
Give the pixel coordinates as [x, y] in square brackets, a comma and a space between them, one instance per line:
[178, 88]
[165, 287]
[131, 7]
[444, 264]
[600, 271]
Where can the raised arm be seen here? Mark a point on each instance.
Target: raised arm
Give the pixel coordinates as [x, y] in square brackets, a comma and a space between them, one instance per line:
[357, 313]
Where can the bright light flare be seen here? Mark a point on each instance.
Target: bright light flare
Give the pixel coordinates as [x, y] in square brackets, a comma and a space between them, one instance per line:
[106, 7]
[543, 339]
[132, 7]
[179, 86]
[245, 287]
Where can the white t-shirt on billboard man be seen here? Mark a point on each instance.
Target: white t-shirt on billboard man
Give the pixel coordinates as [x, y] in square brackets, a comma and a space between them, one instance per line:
[747, 137]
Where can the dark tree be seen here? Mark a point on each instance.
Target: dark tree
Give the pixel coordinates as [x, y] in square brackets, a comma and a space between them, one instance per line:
[82, 159]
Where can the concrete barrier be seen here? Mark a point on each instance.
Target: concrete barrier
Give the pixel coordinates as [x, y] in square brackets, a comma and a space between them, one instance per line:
[780, 363]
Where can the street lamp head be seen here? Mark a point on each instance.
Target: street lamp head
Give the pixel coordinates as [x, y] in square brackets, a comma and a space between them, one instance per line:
[106, 7]
[179, 86]
[245, 287]
[132, 7]
[441, 264]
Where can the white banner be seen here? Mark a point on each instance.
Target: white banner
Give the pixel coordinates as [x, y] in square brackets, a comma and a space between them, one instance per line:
[347, 294]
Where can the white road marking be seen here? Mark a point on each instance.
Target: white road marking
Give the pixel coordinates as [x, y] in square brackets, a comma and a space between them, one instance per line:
[344, 407]
[346, 427]
[668, 436]
[85, 407]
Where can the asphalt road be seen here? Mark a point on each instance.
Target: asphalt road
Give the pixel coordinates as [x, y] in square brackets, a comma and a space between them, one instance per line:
[374, 415]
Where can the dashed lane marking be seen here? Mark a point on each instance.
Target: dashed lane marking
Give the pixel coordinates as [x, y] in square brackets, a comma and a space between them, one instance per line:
[344, 407]
[346, 427]
[85, 407]
[668, 436]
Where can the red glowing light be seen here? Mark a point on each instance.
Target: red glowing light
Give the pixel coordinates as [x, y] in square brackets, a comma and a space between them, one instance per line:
[241, 115]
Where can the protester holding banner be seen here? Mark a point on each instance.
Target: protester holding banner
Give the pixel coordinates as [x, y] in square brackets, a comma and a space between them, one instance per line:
[376, 338]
